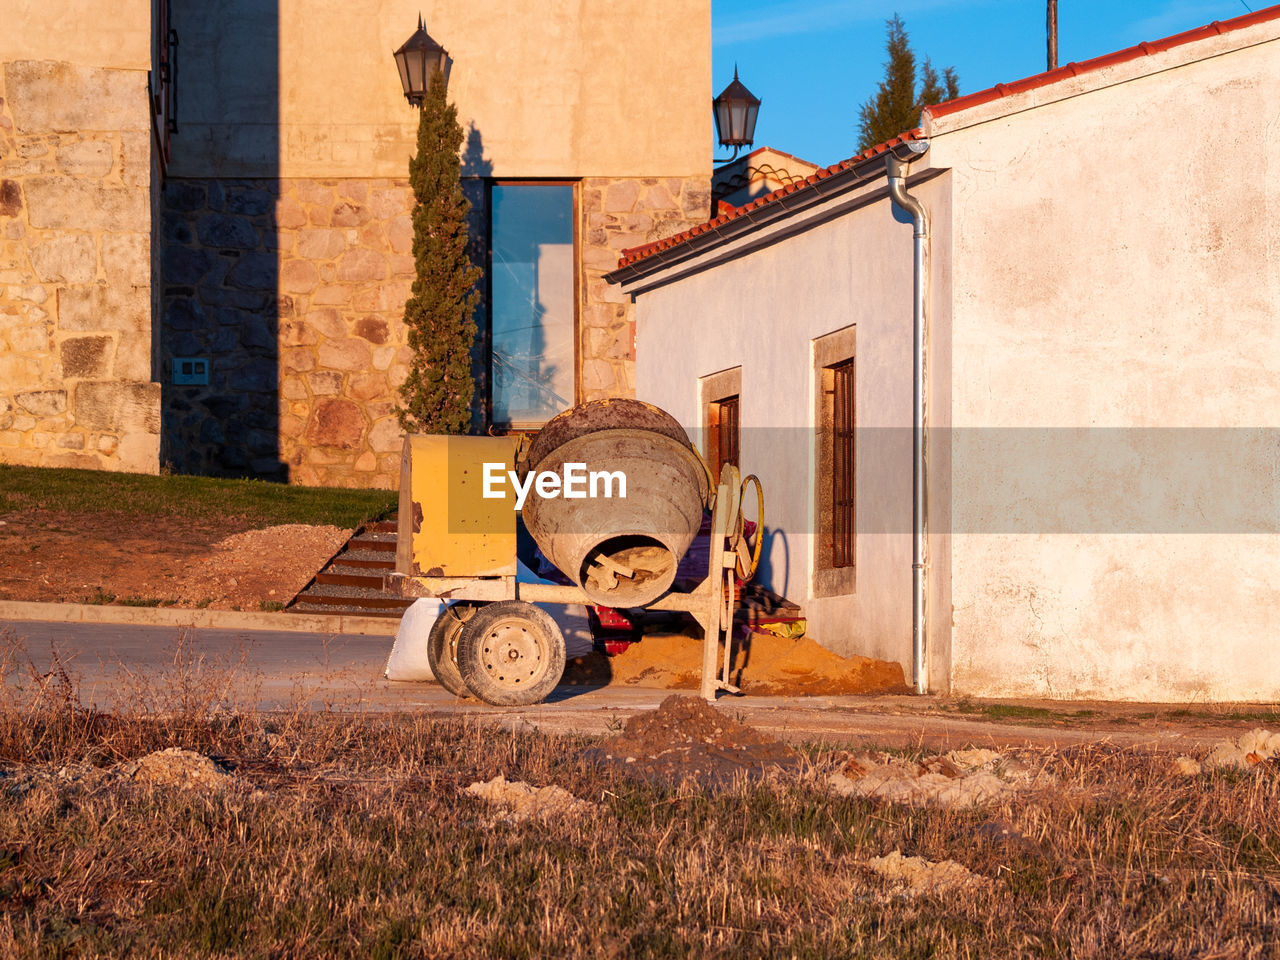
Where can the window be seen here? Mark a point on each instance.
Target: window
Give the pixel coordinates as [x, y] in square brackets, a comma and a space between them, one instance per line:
[532, 325]
[718, 399]
[835, 496]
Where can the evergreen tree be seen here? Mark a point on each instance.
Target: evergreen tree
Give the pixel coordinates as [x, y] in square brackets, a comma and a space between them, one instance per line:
[895, 107]
[436, 396]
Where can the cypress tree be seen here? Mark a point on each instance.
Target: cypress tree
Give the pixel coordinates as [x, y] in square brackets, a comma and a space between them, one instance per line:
[895, 108]
[436, 396]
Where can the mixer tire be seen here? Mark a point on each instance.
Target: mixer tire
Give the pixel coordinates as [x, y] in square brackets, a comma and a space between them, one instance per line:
[442, 647]
[511, 653]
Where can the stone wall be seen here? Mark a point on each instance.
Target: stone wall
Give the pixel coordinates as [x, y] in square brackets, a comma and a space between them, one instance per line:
[617, 214]
[75, 259]
[294, 290]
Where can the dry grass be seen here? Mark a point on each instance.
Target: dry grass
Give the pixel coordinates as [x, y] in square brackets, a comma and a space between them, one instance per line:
[351, 837]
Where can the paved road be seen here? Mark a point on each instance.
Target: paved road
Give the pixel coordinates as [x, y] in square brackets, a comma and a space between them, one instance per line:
[122, 666]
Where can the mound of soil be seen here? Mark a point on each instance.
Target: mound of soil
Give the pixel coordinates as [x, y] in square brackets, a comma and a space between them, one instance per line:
[763, 665]
[688, 740]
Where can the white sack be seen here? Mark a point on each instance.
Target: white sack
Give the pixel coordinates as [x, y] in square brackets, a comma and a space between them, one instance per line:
[408, 660]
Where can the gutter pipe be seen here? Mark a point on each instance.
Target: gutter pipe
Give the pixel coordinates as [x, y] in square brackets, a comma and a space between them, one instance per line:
[896, 171]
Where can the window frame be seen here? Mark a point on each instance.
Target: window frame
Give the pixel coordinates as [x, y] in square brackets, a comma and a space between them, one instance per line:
[713, 390]
[575, 216]
[831, 353]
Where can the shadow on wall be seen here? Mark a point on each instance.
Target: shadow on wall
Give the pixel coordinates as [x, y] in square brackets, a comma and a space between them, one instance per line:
[221, 299]
[774, 573]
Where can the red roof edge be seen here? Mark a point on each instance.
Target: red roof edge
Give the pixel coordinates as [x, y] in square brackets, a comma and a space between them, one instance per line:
[1145, 49]
[634, 254]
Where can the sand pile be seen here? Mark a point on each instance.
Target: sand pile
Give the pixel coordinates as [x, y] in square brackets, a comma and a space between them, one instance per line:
[763, 665]
[1252, 749]
[687, 739]
[519, 801]
[961, 778]
[174, 767]
[918, 877]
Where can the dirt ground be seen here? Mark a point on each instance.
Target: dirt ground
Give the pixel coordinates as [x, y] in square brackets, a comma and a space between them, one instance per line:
[763, 665]
[65, 557]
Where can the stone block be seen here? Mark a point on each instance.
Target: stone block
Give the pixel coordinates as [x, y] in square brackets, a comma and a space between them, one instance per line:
[86, 158]
[312, 192]
[85, 357]
[46, 96]
[249, 202]
[185, 266]
[43, 403]
[140, 453]
[366, 462]
[68, 259]
[383, 356]
[227, 232]
[10, 198]
[321, 244]
[325, 383]
[621, 196]
[175, 229]
[597, 375]
[184, 344]
[71, 441]
[118, 406]
[70, 203]
[255, 335]
[296, 333]
[289, 214]
[387, 435]
[107, 444]
[126, 258]
[299, 276]
[297, 360]
[133, 356]
[374, 329]
[345, 354]
[181, 313]
[254, 271]
[25, 334]
[135, 160]
[402, 266]
[390, 202]
[348, 214]
[185, 195]
[336, 423]
[368, 386]
[18, 372]
[332, 295]
[400, 234]
[257, 375]
[327, 321]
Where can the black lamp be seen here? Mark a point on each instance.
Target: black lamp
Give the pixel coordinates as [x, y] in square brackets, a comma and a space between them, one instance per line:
[735, 112]
[418, 59]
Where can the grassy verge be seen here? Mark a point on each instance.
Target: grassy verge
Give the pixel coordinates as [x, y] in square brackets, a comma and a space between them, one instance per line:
[351, 837]
[194, 498]
[1014, 713]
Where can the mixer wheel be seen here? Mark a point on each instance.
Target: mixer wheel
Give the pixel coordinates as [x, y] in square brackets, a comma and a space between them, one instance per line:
[442, 647]
[511, 653]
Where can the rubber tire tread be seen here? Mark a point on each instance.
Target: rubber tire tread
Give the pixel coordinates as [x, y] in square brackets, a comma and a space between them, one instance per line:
[470, 644]
[444, 667]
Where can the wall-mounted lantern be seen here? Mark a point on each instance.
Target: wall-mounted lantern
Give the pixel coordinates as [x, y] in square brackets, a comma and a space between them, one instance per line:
[735, 112]
[417, 59]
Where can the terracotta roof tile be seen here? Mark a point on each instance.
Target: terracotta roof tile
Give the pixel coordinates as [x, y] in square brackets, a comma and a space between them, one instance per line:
[1144, 49]
[634, 254]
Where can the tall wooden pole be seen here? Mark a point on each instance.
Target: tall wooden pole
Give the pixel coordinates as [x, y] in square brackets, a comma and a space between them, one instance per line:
[1051, 28]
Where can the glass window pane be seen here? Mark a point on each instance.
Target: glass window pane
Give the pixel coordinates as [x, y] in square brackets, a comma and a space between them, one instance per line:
[532, 308]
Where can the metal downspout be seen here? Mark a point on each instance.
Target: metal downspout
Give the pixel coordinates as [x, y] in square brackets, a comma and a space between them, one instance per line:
[896, 171]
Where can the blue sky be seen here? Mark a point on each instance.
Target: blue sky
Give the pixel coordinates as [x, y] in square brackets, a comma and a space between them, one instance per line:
[814, 62]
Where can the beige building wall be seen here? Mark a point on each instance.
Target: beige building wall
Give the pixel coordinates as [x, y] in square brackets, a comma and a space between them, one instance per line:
[287, 236]
[76, 180]
[1115, 265]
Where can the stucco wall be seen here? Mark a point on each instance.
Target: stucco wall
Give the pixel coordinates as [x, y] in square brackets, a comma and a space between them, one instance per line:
[75, 275]
[761, 311]
[1116, 269]
[308, 88]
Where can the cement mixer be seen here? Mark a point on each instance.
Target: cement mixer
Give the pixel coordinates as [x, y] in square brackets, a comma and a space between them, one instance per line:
[612, 493]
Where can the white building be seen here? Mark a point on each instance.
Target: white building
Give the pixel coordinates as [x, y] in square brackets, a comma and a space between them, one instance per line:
[1102, 277]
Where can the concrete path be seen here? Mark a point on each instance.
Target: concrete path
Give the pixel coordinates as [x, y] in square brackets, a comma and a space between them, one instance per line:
[122, 666]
